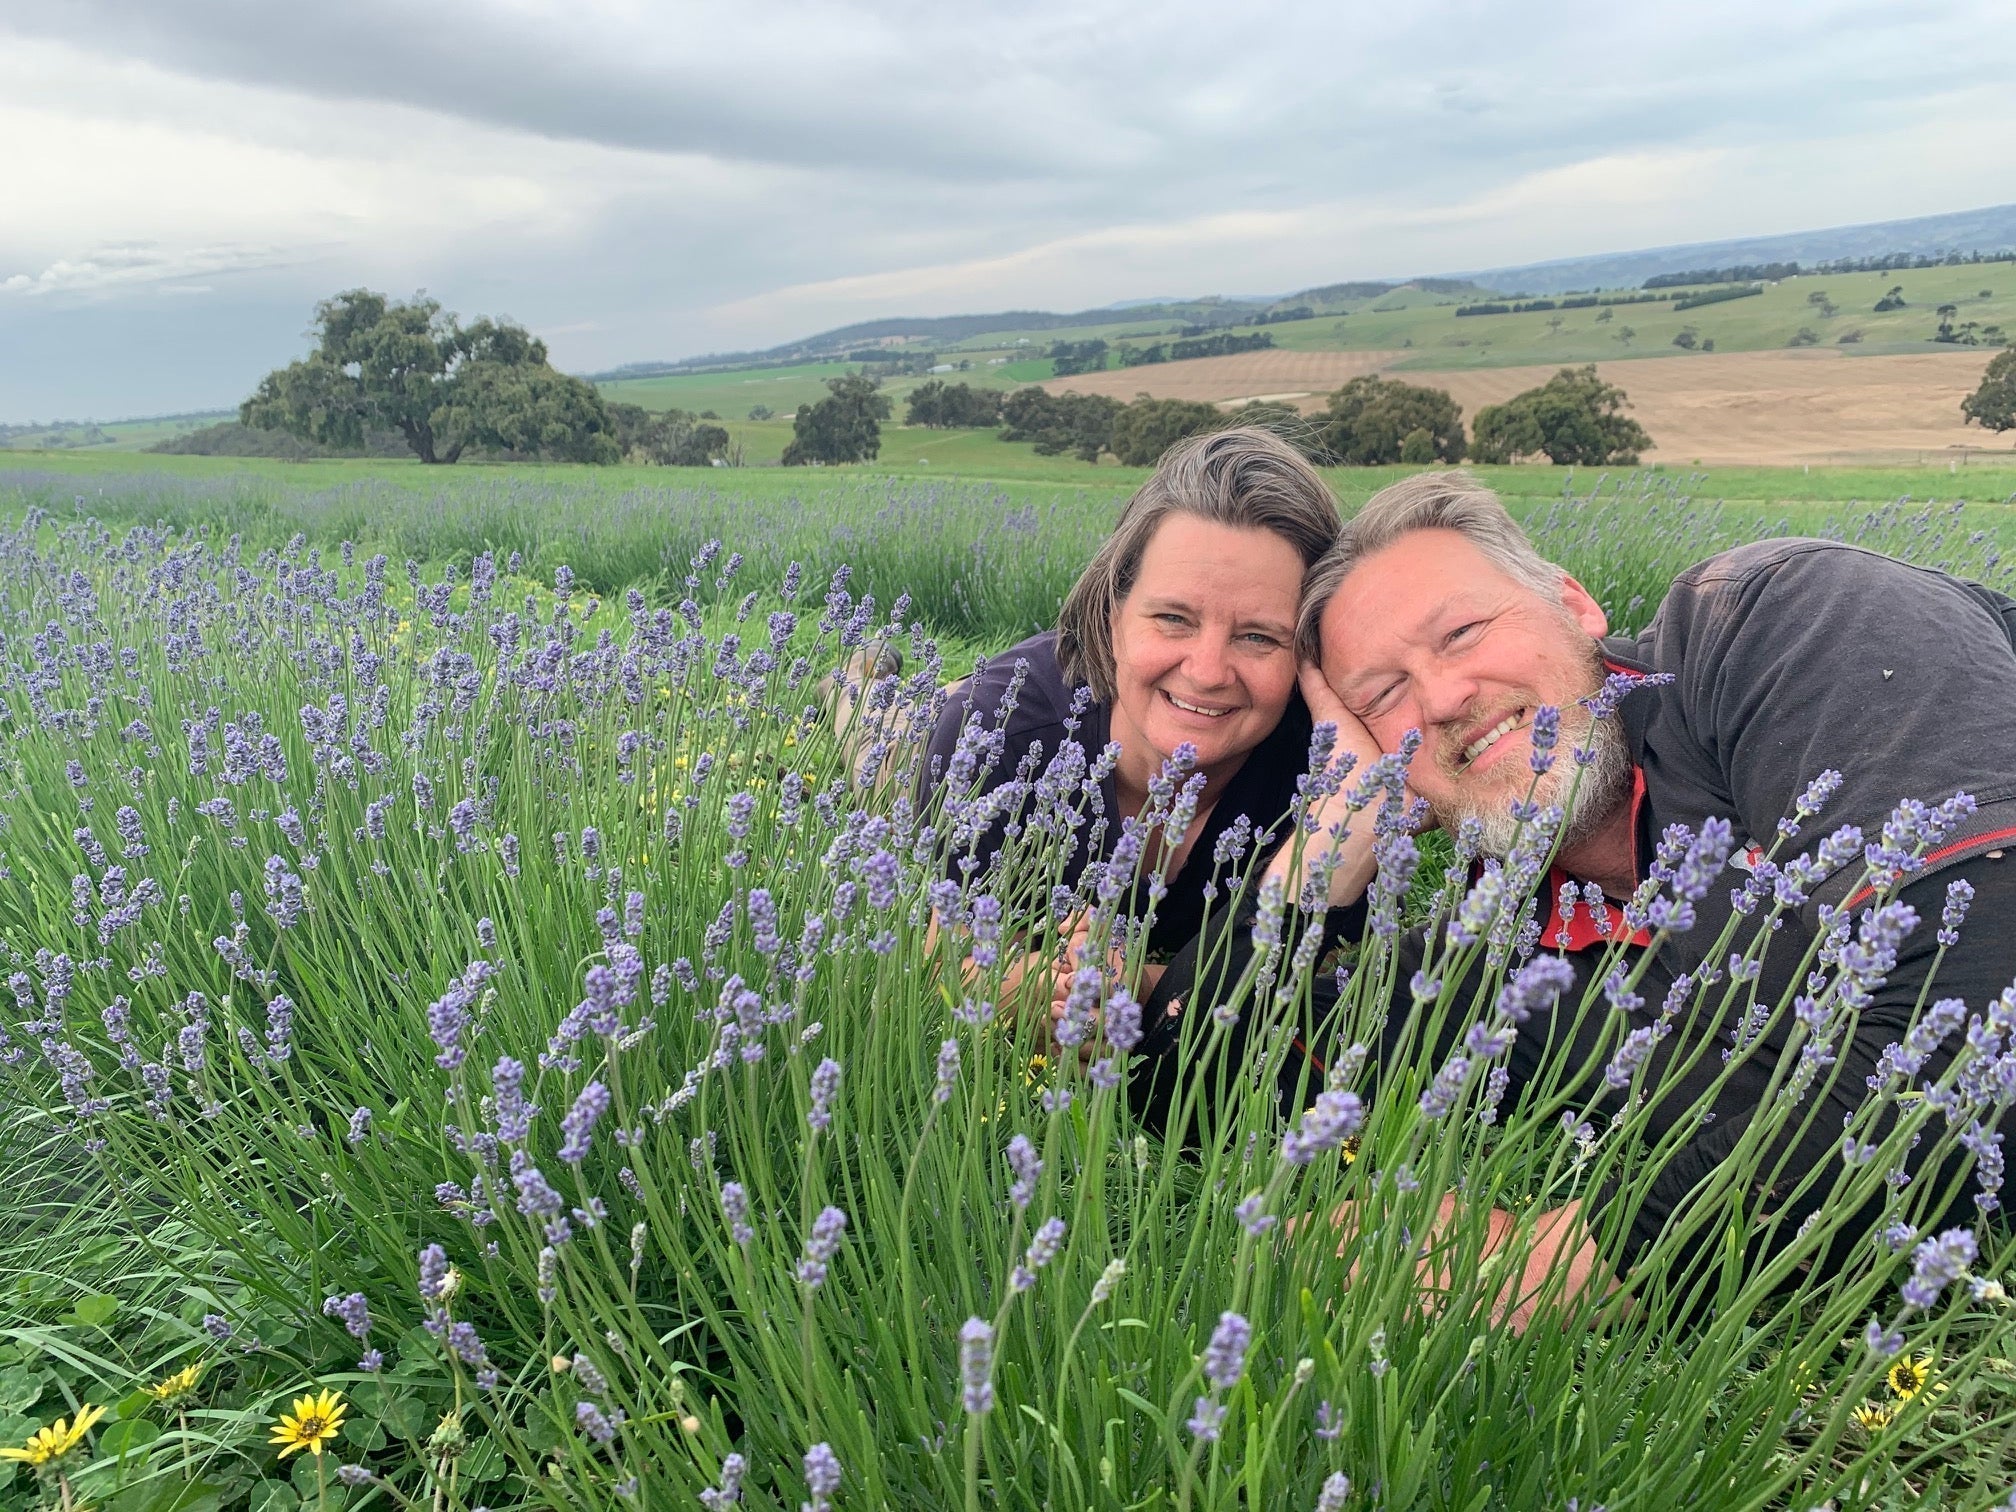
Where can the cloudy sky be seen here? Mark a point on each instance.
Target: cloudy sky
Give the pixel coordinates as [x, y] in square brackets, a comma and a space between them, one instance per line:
[180, 180]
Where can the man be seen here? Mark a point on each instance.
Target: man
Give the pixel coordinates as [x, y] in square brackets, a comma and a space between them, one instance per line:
[1764, 668]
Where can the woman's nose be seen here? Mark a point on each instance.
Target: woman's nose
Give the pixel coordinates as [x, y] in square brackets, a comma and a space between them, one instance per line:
[1208, 664]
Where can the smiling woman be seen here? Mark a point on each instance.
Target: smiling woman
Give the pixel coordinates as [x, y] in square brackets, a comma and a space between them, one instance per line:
[1180, 632]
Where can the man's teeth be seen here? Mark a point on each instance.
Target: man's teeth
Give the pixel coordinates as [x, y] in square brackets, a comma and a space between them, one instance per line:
[1190, 708]
[1485, 741]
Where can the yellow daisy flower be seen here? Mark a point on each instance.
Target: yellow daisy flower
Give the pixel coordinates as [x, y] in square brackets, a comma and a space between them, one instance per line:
[174, 1387]
[1911, 1375]
[313, 1422]
[47, 1445]
[1873, 1417]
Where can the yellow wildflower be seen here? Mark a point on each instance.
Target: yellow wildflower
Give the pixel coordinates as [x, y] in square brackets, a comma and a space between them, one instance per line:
[1873, 1417]
[1911, 1375]
[47, 1445]
[175, 1387]
[313, 1422]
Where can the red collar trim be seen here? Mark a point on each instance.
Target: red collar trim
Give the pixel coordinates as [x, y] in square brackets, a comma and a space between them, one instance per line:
[1579, 931]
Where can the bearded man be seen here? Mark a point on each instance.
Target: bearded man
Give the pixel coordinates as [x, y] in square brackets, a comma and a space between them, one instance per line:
[1764, 668]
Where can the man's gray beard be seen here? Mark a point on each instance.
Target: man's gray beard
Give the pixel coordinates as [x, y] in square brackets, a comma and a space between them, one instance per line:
[1604, 787]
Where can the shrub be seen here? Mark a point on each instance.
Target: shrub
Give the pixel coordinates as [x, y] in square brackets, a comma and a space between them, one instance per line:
[1081, 424]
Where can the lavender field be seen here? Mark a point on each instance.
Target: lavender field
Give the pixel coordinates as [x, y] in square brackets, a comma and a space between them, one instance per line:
[475, 1036]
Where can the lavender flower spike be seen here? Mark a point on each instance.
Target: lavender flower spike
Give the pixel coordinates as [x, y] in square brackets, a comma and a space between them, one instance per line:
[825, 1085]
[822, 1476]
[1938, 1262]
[578, 1127]
[1225, 1355]
[976, 1364]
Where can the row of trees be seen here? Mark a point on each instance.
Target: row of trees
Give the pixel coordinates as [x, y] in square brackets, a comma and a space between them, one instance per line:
[1574, 418]
[406, 368]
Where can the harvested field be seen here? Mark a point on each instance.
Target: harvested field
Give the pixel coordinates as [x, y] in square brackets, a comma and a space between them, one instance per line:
[1274, 374]
[1726, 408]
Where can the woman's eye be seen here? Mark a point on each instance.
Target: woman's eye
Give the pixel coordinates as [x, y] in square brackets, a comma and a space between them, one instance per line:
[1465, 632]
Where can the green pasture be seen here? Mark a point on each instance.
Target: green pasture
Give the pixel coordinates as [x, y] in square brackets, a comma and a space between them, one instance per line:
[985, 536]
[116, 435]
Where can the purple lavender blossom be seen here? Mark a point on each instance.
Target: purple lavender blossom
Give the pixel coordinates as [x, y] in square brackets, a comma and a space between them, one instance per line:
[353, 1310]
[948, 1071]
[279, 1029]
[1253, 1215]
[1959, 894]
[1206, 1420]
[733, 1468]
[1938, 1262]
[976, 1365]
[513, 1114]
[577, 1129]
[825, 1086]
[434, 1275]
[821, 1245]
[1027, 1168]
[735, 1208]
[594, 1422]
[1334, 1119]
[822, 1476]
[1334, 1493]
[1225, 1355]
[536, 1198]
[1440, 1095]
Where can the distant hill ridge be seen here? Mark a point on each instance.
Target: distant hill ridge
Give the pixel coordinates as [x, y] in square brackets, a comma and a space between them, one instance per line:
[1991, 229]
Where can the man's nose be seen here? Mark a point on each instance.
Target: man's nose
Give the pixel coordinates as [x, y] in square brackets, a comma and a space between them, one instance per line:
[1444, 696]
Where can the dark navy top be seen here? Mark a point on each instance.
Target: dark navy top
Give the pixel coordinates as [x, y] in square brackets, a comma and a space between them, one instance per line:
[1262, 789]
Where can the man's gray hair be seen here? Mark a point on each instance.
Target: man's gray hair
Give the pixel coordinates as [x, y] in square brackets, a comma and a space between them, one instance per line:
[1427, 501]
[1244, 477]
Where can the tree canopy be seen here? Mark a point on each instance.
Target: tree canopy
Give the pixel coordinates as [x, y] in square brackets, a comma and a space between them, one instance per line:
[953, 406]
[672, 438]
[1149, 427]
[409, 367]
[842, 427]
[1573, 419]
[1081, 424]
[1368, 423]
[1993, 404]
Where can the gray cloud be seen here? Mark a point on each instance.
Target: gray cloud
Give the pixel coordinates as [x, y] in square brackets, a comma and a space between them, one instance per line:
[647, 181]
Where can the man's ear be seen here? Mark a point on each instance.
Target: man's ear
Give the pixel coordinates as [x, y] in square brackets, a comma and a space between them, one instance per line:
[1582, 607]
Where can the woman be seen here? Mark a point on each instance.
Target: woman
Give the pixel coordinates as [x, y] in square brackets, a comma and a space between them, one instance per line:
[1182, 628]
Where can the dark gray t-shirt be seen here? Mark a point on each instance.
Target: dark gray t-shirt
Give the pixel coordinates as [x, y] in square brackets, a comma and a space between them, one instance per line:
[1793, 657]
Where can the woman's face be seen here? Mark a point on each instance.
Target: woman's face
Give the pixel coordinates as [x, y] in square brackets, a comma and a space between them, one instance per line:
[1203, 647]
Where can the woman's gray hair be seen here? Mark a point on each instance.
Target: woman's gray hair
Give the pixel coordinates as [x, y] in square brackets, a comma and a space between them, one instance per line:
[1244, 477]
[1427, 501]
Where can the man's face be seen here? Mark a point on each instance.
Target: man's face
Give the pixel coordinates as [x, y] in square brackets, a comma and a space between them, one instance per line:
[1429, 634]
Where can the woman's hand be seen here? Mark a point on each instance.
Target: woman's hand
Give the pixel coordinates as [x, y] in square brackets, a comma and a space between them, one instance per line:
[1353, 869]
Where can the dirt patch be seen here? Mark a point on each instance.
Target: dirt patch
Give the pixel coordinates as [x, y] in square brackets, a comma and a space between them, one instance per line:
[1721, 407]
[1247, 375]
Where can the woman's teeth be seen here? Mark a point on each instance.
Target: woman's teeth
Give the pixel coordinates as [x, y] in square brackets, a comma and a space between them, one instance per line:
[1190, 708]
[1491, 736]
